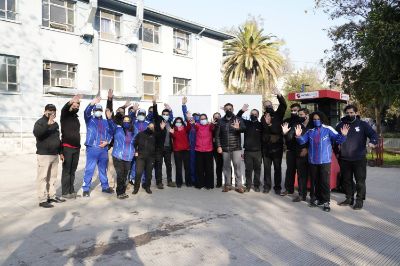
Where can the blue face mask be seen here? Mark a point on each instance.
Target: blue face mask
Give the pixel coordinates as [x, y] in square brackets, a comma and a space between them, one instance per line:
[196, 118]
[178, 124]
[126, 125]
[317, 123]
[140, 117]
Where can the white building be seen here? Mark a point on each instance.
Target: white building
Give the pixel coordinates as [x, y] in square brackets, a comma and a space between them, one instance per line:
[51, 50]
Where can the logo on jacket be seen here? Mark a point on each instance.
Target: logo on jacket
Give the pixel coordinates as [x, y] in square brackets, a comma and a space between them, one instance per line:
[357, 129]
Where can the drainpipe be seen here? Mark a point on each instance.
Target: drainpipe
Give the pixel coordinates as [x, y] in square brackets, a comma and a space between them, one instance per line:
[139, 20]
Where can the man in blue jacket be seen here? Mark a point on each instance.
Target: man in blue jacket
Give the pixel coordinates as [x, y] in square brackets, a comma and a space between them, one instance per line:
[98, 136]
[352, 156]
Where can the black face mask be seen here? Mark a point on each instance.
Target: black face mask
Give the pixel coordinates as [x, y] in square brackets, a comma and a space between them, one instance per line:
[301, 119]
[348, 119]
[74, 111]
[269, 110]
[149, 131]
[229, 113]
[253, 118]
[294, 116]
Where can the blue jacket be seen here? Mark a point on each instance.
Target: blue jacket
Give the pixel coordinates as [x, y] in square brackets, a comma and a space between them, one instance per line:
[123, 142]
[97, 129]
[354, 148]
[319, 141]
[192, 132]
[139, 125]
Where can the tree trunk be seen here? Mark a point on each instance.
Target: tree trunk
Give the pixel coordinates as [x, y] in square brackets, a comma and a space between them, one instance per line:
[249, 87]
[378, 119]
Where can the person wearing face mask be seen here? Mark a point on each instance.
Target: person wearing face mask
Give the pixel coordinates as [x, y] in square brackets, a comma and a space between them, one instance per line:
[47, 134]
[217, 156]
[180, 140]
[252, 148]
[300, 151]
[352, 156]
[204, 153]
[123, 151]
[71, 144]
[145, 147]
[272, 143]
[228, 140]
[291, 148]
[319, 141]
[98, 136]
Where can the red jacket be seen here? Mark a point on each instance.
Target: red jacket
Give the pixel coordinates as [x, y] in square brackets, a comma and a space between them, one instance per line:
[204, 137]
[180, 138]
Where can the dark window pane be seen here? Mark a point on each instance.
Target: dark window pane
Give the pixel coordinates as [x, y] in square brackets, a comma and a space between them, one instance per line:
[71, 75]
[11, 15]
[70, 4]
[2, 14]
[58, 14]
[12, 74]
[58, 2]
[2, 59]
[156, 38]
[11, 5]
[45, 11]
[46, 77]
[71, 17]
[3, 4]
[12, 60]
[147, 35]
[3, 73]
[12, 87]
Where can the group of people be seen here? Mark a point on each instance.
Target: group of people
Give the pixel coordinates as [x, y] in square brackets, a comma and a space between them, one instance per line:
[135, 142]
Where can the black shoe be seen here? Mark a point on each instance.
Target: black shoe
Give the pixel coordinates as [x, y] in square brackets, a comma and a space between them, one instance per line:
[346, 202]
[46, 204]
[108, 190]
[277, 192]
[171, 184]
[135, 190]
[304, 198]
[296, 199]
[160, 186]
[256, 189]
[189, 185]
[131, 182]
[313, 203]
[283, 193]
[247, 189]
[218, 186]
[56, 200]
[320, 203]
[266, 190]
[86, 194]
[358, 205]
[178, 186]
[326, 207]
[148, 190]
[123, 196]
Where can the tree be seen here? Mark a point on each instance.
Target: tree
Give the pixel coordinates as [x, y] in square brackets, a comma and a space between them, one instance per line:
[308, 76]
[366, 51]
[251, 60]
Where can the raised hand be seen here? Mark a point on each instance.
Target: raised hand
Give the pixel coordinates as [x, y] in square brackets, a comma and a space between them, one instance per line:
[135, 107]
[171, 131]
[76, 99]
[245, 107]
[298, 130]
[110, 93]
[96, 100]
[108, 113]
[184, 100]
[162, 125]
[236, 124]
[285, 128]
[51, 121]
[345, 129]
[166, 105]
[188, 114]
[127, 103]
[154, 99]
[276, 91]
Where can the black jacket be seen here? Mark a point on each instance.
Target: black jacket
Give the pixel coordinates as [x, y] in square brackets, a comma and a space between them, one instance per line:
[145, 143]
[47, 137]
[161, 134]
[272, 138]
[226, 136]
[252, 134]
[290, 137]
[70, 127]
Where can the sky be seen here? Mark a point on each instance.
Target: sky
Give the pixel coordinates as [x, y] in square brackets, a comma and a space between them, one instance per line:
[295, 21]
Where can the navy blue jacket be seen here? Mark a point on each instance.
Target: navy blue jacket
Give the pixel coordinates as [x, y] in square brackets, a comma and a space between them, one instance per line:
[97, 129]
[123, 142]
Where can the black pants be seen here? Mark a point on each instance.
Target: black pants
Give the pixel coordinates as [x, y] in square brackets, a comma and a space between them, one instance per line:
[276, 159]
[167, 160]
[144, 163]
[218, 166]
[358, 169]
[204, 169]
[291, 167]
[320, 180]
[122, 169]
[302, 175]
[252, 162]
[70, 164]
[158, 160]
[182, 157]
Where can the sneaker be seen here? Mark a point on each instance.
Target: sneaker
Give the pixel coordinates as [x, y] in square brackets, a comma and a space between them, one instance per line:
[358, 205]
[86, 194]
[284, 193]
[160, 186]
[346, 202]
[326, 207]
[108, 190]
[135, 190]
[171, 184]
[256, 189]
[46, 204]
[313, 203]
[67, 196]
[297, 199]
[226, 189]
[240, 190]
[123, 196]
[266, 190]
[131, 182]
[148, 190]
[56, 200]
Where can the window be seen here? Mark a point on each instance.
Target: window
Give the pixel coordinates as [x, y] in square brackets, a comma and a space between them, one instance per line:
[181, 86]
[110, 79]
[58, 14]
[8, 73]
[58, 74]
[8, 9]
[181, 42]
[109, 25]
[151, 86]
[150, 34]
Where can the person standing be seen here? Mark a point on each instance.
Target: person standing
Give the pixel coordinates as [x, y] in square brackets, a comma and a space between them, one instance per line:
[272, 143]
[217, 156]
[98, 136]
[352, 156]
[192, 139]
[71, 145]
[48, 149]
[252, 148]
[228, 140]
[319, 141]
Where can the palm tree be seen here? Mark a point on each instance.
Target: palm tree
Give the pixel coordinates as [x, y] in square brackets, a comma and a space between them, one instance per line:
[251, 60]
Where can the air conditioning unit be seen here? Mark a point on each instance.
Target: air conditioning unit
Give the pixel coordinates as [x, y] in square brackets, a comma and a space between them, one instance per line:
[58, 26]
[46, 66]
[64, 82]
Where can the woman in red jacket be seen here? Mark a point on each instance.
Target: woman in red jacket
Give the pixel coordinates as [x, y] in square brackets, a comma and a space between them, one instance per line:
[179, 133]
[204, 153]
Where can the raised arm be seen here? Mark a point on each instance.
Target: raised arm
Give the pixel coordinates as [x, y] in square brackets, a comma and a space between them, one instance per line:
[184, 108]
[282, 106]
[88, 111]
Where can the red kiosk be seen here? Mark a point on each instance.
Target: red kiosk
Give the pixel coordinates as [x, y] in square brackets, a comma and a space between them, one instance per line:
[329, 102]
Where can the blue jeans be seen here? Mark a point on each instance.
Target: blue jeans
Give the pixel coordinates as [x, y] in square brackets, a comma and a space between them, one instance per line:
[95, 156]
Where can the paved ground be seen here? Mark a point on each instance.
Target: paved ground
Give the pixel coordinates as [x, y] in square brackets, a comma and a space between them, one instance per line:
[191, 227]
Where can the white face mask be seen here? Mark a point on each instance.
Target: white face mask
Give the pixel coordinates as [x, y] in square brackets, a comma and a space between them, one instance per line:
[166, 117]
[98, 113]
[140, 117]
[203, 121]
[178, 124]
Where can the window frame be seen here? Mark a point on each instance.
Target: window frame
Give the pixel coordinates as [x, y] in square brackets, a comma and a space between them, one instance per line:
[156, 91]
[6, 11]
[54, 24]
[74, 69]
[181, 51]
[187, 85]
[16, 65]
[120, 89]
[156, 28]
[104, 35]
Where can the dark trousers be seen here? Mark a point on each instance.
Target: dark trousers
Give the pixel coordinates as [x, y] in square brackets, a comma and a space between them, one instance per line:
[302, 175]
[182, 157]
[218, 166]
[252, 162]
[291, 167]
[204, 169]
[144, 163]
[358, 169]
[167, 160]
[70, 164]
[122, 169]
[320, 180]
[158, 160]
[276, 159]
